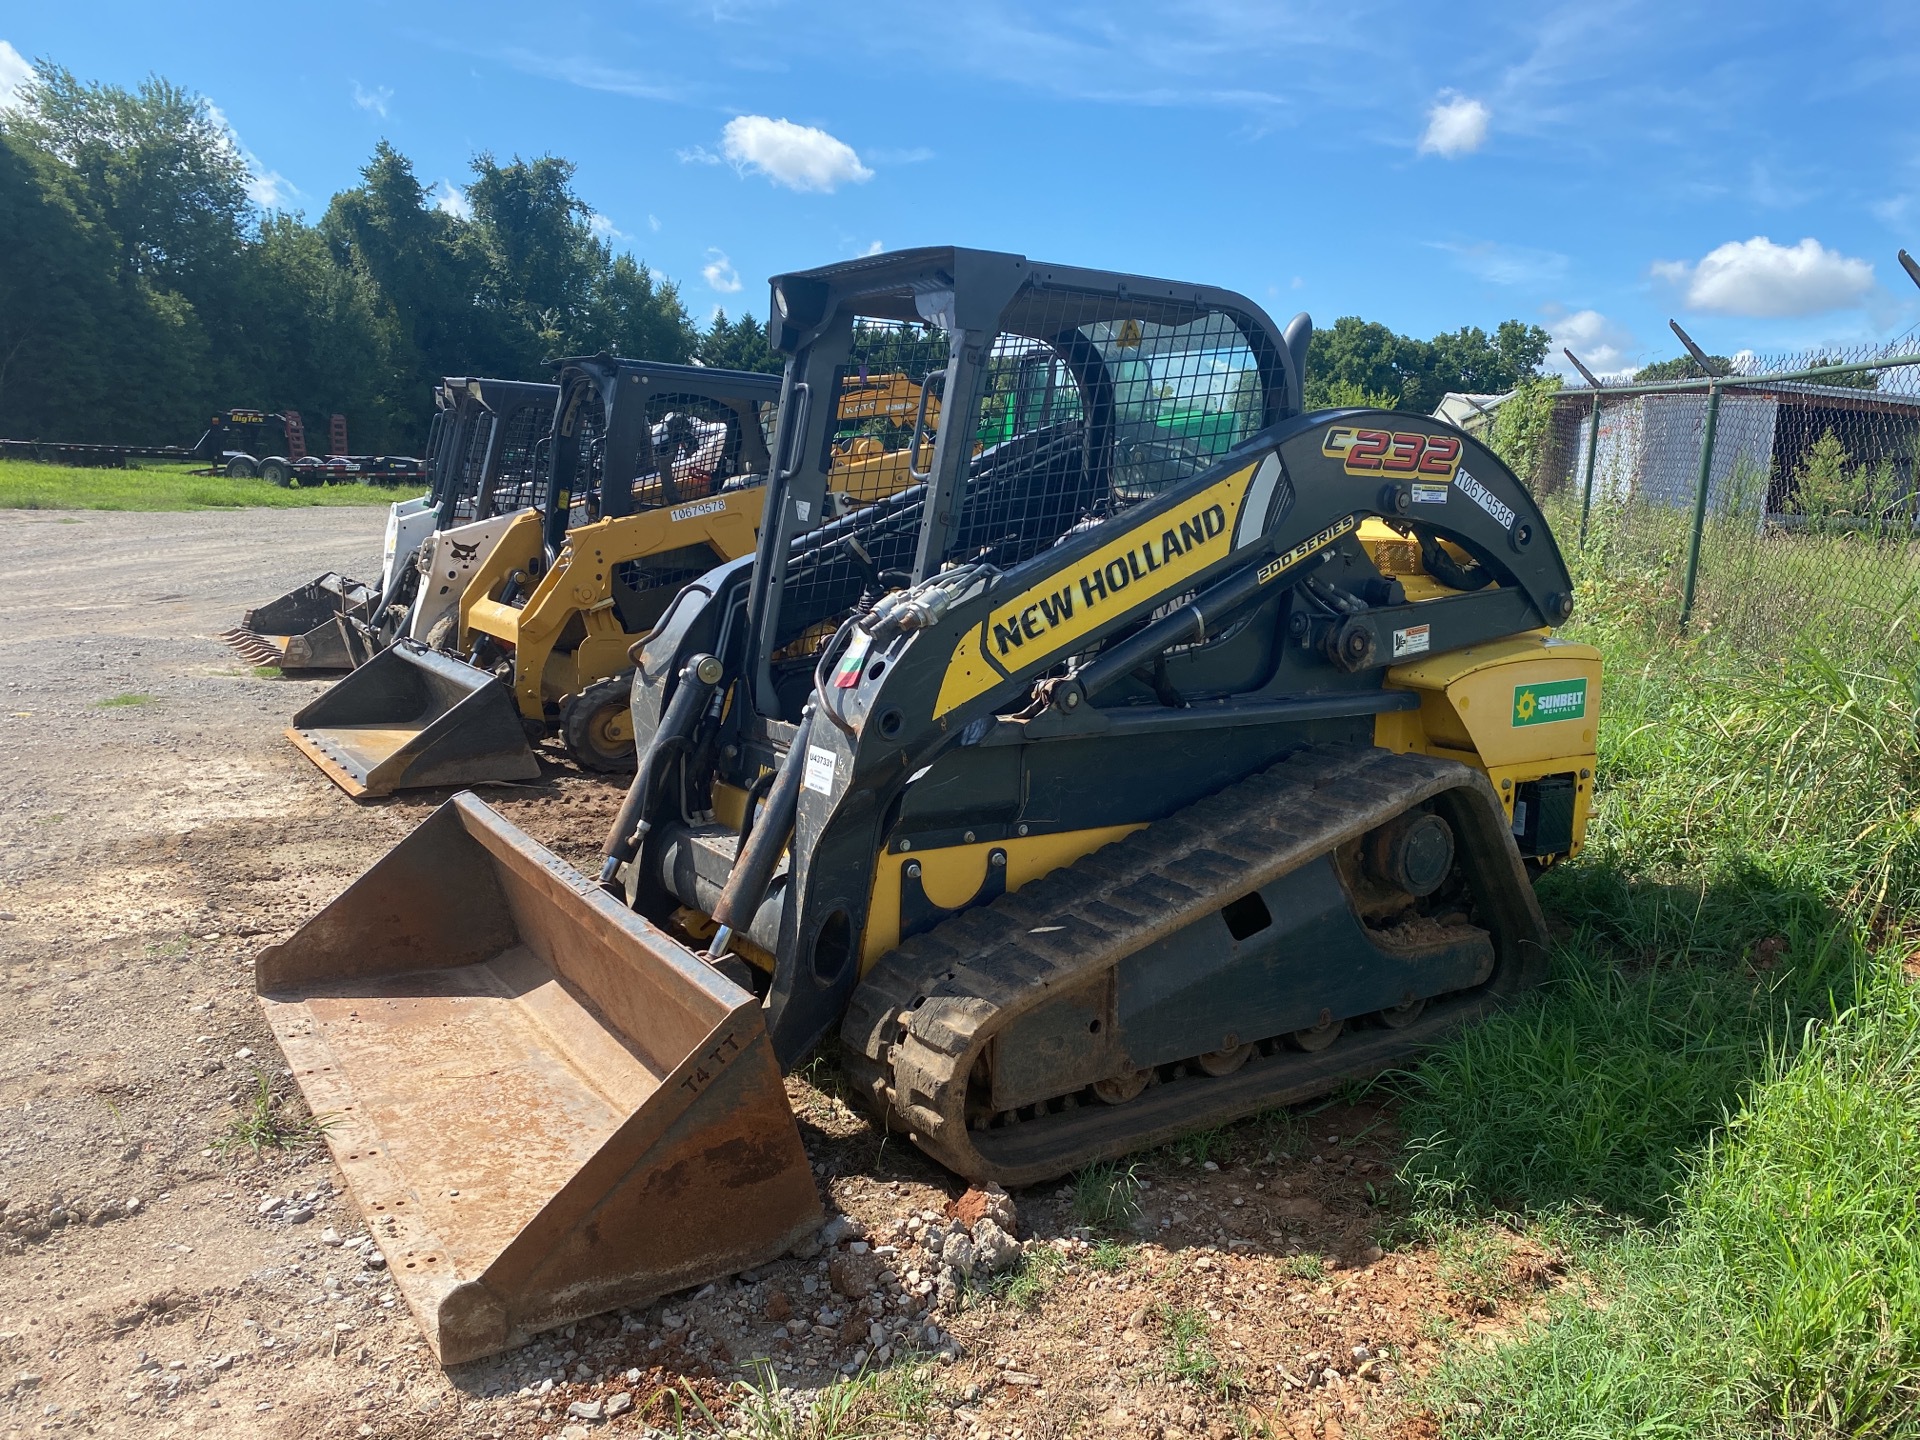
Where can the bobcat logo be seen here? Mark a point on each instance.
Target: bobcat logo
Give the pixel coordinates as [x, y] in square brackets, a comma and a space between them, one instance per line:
[465, 554]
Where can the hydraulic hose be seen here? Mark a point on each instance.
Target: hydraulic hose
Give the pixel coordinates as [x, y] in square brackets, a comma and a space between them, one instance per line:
[753, 867]
[630, 826]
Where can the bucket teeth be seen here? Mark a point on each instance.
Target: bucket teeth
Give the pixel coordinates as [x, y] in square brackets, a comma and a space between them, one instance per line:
[254, 646]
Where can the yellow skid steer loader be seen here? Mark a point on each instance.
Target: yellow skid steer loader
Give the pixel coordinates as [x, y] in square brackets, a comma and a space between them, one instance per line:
[557, 636]
[1194, 755]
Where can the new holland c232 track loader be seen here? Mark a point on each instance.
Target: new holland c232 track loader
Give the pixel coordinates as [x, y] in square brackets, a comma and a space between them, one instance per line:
[1174, 755]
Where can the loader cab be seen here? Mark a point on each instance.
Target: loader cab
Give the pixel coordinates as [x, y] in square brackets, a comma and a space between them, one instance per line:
[493, 441]
[1048, 398]
[631, 435]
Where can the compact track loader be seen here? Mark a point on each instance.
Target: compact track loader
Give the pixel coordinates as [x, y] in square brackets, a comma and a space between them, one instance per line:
[552, 612]
[474, 462]
[1164, 754]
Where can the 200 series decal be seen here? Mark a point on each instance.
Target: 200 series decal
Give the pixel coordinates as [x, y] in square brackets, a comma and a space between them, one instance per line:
[1362, 451]
[1282, 563]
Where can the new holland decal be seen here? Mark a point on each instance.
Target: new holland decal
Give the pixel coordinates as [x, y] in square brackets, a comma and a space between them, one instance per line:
[1153, 559]
[1372, 453]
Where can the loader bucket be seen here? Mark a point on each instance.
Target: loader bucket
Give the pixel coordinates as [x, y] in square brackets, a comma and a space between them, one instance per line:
[412, 717]
[545, 1107]
[300, 630]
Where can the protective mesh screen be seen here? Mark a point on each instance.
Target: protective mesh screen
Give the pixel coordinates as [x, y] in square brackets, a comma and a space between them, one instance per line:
[1083, 416]
[703, 446]
[471, 435]
[1073, 418]
[522, 438]
[584, 491]
[877, 404]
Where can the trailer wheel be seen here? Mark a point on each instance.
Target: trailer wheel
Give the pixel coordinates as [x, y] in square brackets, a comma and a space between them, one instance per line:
[276, 471]
[241, 467]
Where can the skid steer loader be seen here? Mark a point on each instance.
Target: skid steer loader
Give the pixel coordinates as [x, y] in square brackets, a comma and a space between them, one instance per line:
[332, 622]
[550, 642]
[1197, 759]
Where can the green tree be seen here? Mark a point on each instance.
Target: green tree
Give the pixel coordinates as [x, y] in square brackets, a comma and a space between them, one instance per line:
[385, 231]
[140, 289]
[88, 349]
[154, 164]
[1683, 367]
[1356, 357]
[1522, 424]
[633, 312]
[739, 345]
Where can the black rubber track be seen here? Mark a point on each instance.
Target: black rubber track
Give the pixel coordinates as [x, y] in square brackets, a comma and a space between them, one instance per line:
[924, 1013]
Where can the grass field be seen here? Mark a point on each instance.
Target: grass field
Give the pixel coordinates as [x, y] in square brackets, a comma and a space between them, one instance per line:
[1713, 1109]
[29, 485]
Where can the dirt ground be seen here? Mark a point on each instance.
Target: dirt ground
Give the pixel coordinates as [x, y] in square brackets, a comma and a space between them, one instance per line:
[154, 1283]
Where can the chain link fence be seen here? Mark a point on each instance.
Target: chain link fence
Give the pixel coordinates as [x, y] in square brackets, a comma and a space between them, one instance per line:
[1775, 501]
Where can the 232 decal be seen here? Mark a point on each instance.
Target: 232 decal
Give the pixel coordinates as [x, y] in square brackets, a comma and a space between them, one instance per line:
[1362, 451]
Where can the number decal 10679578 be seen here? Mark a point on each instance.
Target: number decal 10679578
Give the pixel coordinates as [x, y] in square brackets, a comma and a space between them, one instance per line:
[1362, 451]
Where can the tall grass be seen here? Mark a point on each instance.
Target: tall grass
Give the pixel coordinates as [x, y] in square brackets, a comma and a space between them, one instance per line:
[1784, 1296]
[1716, 1099]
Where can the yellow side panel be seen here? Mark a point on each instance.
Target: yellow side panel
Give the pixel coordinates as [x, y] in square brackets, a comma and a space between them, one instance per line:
[519, 549]
[953, 875]
[1515, 709]
[580, 582]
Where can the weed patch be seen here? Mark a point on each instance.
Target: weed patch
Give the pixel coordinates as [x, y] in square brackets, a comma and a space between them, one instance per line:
[1106, 1196]
[265, 1122]
[1714, 1103]
[1189, 1355]
[123, 702]
[1028, 1283]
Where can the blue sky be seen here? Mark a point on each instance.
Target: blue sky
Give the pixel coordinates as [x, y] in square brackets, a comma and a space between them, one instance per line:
[1597, 167]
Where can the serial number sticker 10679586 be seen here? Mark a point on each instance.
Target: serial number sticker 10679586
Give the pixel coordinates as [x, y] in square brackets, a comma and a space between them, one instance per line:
[1501, 512]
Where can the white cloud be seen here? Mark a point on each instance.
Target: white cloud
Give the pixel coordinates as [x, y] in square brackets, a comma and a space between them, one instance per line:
[1761, 279]
[873, 249]
[653, 223]
[698, 155]
[450, 199]
[720, 274]
[375, 99]
[605, 229]
[14, 72]
[797, 156]
[268, 189]
[1500, 264]
[1604, 346]
[1456, 125]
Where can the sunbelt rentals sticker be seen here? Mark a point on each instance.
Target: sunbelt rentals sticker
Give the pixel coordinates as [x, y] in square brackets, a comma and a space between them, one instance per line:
[1542, 704]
